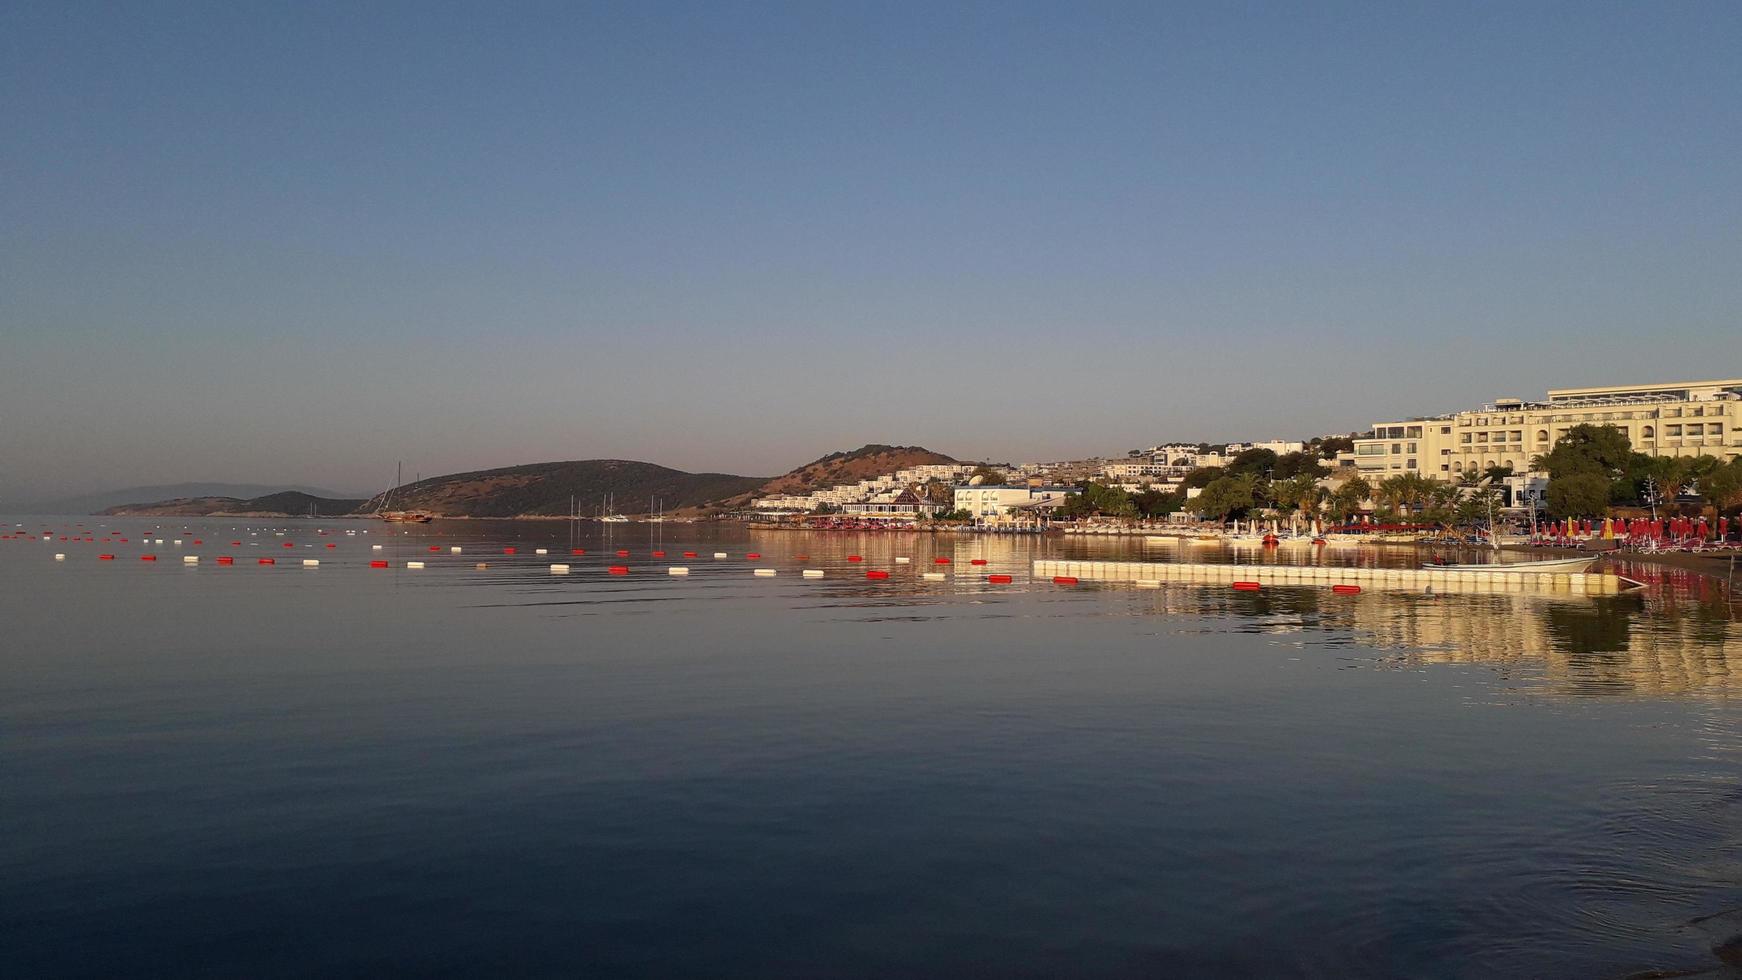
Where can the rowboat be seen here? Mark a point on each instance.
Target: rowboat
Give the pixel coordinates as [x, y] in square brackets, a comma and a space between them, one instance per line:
[1547, 565]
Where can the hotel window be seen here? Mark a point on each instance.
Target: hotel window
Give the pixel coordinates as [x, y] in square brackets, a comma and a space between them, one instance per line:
[1715, 428]
[1396, 447]
[1517, 436]
[1414, 432]
[1647, 432]
[1464, 438]
[1412, 447]
[1672, 430]
[1445, 430]
[1481, 437]
[1409, 464]
[1542, 435]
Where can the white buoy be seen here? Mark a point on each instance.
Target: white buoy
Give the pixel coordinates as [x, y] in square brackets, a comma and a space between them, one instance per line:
[414, 564]
[813, 573]
[482, 565]
[933, 576]
[452, 551]
[677, 570]
[178, 542]
[542, 551]
[59, 557]
[374, 547]
[764, 573]
[311, 562]
[719, 554]
[559, 569]
[190, 559]
[156, 540]
[902, 560]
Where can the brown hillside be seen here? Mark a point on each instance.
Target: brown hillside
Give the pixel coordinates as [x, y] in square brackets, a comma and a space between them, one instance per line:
[837, 468]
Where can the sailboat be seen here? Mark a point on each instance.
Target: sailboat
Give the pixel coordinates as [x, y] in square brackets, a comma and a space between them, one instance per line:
[400, 516]
[608, 511]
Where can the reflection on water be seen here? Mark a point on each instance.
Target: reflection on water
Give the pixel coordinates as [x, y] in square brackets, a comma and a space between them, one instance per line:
[270, 770]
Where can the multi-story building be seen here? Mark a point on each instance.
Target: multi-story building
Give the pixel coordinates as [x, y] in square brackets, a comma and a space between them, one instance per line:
[998, 501]
[1686, 418]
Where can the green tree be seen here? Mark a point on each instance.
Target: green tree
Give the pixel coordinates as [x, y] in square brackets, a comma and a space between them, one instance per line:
[1330, 446]
[1583, 494]
[1253, 461]
[1301, 492]
[1347, 499]
[1203, 476]
[988, 476]
[1408, 490]
[1228, 496]
[1157, 503]
[1586, 448]
[1722, 485]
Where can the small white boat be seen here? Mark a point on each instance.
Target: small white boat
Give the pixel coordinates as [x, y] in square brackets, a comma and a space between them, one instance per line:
[1547, 565]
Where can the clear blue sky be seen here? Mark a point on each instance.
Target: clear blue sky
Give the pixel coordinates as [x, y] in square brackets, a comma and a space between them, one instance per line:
[296, 242]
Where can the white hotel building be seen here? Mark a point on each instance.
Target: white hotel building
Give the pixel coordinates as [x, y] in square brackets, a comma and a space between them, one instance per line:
[1684, 418]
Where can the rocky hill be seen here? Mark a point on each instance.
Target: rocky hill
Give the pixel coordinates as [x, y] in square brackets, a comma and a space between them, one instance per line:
[545, 489]
[286, 503]
[838, 468]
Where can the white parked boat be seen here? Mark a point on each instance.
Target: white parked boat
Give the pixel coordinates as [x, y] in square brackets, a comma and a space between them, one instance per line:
[1547, 565]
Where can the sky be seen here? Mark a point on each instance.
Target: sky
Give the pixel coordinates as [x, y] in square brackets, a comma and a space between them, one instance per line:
[296, 243]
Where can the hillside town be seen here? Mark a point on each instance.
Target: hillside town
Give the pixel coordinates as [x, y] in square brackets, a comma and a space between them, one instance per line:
[1622, 461]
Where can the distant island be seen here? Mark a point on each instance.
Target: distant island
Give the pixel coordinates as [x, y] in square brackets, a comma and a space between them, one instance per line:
[551, 489]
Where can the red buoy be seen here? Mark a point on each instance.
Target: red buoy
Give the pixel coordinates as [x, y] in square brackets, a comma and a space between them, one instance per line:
[433, 547]
[1346, 589]
[577, 551]
[329, 544]
[998, 579]
[147, 557]
[659, 554]
[619, 569]
[1247, 586]
[508, 551]
[977, 561]
[689, 554]
[752, 555]
[940, 561]
[854, 558]
[622, 554]
[105, 557]
[876, 574]
[289, 544]
[268, 561]
[377, 564]
[226, 560]
[1064, 580]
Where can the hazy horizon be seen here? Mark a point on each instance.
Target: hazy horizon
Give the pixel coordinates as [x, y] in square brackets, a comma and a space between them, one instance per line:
[256, 244]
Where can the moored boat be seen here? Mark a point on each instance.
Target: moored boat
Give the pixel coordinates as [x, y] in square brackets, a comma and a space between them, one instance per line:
[1546, 565]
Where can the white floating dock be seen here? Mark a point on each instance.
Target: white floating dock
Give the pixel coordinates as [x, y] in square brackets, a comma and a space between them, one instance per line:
[1329, 576]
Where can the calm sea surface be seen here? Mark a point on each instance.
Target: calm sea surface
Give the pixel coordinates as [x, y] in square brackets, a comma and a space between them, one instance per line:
[254, 771]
